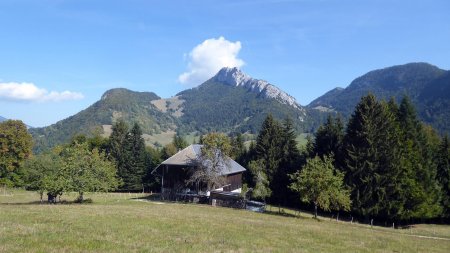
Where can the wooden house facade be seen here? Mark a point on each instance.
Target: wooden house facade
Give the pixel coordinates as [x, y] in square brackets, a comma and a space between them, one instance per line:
[175, 171]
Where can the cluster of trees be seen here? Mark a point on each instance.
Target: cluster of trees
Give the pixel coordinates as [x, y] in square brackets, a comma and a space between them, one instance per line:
[133, 160]
[384, 163]
[395, 166]
[279, 172]
[85, 164]
[72, 168]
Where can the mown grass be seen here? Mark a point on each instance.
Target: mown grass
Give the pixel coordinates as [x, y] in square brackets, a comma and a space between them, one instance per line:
[122, 223]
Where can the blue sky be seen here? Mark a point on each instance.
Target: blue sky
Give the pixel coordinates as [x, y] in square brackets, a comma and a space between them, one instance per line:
[58, 57]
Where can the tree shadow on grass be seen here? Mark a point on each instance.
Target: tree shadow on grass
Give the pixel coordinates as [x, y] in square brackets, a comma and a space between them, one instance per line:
[150, 197]
[46, 203]
[285, 214]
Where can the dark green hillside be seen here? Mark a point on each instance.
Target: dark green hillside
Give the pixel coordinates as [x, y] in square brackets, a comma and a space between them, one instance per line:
[326, 98]
[425, 84]
[219, 107]
[434, 103]
[114, 104]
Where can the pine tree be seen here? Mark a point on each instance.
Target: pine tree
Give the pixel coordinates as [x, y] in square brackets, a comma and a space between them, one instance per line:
[329, 139]
[118, 148]
[424, 195]
[268, 145]
[136, 164]
[290, 151]
[289, 163]
[443, 173]
[238, 148]
[269, 148]
[370, 146]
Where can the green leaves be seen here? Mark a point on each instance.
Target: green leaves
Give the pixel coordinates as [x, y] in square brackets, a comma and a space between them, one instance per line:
[321, 184]
[214, 152]
[127, 147]
[261, 189]
[71, 168]
[15, 147]
[88, 171]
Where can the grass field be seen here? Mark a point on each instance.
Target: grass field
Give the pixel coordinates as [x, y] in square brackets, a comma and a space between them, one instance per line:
[122, 223]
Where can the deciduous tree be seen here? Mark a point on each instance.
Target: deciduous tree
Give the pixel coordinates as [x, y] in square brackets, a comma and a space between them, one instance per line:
[321, 184]
[212, 161]
[15, 147]
[88, 171]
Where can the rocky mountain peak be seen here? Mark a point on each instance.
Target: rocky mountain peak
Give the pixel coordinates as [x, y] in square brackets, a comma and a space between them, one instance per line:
[235, 77]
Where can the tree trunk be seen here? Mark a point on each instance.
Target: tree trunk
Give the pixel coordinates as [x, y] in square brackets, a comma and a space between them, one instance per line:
[315, 211]
[51, 198]
[81, 198]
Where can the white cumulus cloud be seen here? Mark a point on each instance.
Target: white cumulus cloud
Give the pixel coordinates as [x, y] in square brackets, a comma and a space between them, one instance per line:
[207, 58]
[32, 93]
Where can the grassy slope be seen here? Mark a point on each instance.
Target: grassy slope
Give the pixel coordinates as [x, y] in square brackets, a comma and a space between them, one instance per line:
[114, 223]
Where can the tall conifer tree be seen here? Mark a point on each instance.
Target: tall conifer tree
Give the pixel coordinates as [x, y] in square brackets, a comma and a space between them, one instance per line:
[417, 159]
[289, 163]
[268, 144]
[117, 147]
[370, 145]
[136, 165]
[329, 139]
[443, 173]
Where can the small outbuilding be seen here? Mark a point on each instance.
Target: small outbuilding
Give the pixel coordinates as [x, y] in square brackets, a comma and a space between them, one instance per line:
[176, 170]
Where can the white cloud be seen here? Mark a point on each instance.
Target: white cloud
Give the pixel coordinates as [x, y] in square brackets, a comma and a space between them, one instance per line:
[207, 58]
[32, 93]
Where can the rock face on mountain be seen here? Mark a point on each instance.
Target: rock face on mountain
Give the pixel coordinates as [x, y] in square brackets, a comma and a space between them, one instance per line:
[232, 101]
[235, 77]
[427, 86]
[2, 119]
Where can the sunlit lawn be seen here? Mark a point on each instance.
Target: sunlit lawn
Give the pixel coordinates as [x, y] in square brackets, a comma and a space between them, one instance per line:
[120, 223]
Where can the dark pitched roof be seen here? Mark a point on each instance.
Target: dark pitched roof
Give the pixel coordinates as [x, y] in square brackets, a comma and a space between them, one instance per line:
[187, 157]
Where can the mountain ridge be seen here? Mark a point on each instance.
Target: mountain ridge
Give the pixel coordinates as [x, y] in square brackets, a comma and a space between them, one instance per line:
[230, 101]
[426, 85]
[235, 77]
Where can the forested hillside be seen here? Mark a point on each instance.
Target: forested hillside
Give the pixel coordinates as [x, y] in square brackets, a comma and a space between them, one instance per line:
[218, 107]
[234, 102]
[427, 86]
[115, 104]
[213, 106]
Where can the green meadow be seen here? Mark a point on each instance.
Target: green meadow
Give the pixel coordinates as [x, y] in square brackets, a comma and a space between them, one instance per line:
[125, 222]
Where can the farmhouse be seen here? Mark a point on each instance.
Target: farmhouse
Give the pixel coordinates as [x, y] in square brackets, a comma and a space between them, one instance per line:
[177, 169]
